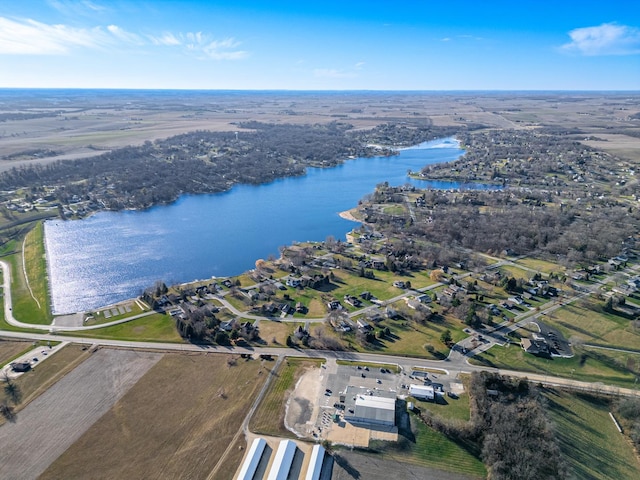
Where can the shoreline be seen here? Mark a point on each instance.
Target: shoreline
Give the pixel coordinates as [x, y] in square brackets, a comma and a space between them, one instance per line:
[347, 215]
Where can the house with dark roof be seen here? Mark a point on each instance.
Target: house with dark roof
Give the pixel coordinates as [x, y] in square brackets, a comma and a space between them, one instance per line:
[535, 347]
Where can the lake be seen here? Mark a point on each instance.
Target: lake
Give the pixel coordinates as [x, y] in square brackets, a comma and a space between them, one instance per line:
[112, 256]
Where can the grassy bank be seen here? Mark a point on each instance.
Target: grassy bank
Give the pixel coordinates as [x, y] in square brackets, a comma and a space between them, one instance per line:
[30, 293]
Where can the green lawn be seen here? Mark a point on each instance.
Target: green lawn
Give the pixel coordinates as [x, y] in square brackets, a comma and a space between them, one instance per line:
[541, 265]
[429, 448]
[25, 308]
[35, 264]
[157, 327]
[515, 272]
[591, 444]
[99, 316]
[447, 407]
[586, 320]
[586, 365]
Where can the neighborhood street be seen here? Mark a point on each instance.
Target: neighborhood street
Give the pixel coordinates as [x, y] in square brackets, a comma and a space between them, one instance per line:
[455, 365]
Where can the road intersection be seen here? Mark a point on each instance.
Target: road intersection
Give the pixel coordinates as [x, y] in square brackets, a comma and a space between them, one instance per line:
[454, 365]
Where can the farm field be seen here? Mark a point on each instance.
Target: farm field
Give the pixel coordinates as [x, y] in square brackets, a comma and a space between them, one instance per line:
[176, 421]
[354, 465]
[53, 421]
[590, 442]
[10, 349]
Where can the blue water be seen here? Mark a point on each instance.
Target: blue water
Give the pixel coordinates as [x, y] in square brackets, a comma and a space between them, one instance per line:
[113, 256]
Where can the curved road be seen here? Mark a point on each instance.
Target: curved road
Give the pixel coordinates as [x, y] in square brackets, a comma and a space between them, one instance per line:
[454, 365]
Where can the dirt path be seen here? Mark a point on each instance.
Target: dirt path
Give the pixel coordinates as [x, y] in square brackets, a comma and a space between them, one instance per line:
[52, 422]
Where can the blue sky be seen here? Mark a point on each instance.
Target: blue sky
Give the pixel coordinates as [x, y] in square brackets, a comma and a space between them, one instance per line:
[321, 45]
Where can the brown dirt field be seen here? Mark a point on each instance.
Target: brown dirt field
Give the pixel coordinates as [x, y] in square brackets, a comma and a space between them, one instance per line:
[9, 349]
[174, 423]
[52, 422]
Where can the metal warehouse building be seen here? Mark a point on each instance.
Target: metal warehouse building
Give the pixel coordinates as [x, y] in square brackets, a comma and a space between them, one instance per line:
[372, 410]
[283, 460]
[315, 464]
[252, 459]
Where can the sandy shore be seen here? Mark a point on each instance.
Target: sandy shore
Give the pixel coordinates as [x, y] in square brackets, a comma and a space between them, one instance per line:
[347, 215]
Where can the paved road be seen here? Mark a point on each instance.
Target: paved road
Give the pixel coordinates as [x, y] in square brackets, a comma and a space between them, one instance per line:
[456, 362]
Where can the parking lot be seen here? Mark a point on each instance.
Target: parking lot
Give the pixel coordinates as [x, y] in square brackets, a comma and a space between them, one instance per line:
[33, 358]
[339, 384]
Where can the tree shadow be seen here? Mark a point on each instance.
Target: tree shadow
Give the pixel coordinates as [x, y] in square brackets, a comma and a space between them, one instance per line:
[346, 466]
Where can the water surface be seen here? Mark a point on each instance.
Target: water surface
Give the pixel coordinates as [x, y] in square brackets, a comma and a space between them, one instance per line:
[113, 256]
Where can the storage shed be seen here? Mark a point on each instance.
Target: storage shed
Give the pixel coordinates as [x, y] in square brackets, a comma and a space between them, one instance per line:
[282, 461]
[315, 463]
[252, 459]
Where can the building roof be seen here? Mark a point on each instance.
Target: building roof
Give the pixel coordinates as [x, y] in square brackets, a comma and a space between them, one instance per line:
[282, 461]
[252, 459]
[315, 464]
[421, 391]
[535, 347]
[375, 409]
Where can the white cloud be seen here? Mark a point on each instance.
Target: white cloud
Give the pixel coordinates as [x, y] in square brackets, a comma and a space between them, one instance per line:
[75, 8]
[29, 37]
[202, 45]
[167, 39]
[606, 39]
[124, 36]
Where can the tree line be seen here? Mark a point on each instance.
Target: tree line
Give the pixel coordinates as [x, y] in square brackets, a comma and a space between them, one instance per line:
[208, 162]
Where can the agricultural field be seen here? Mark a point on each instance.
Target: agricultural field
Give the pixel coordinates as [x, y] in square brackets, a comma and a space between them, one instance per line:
[175, 422]
[36, 381]
[50, 424]
[268, 419]
[10, 349]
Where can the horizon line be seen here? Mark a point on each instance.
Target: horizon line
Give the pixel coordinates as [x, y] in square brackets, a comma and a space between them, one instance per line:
[286, 90]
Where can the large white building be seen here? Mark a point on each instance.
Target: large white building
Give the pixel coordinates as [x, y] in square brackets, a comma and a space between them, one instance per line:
[373, 410]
